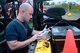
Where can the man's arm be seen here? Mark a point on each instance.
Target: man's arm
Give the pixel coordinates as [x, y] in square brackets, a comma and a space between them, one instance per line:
[13, 45]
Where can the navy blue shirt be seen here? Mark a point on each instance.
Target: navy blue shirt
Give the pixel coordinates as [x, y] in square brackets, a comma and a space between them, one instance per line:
[14, 31]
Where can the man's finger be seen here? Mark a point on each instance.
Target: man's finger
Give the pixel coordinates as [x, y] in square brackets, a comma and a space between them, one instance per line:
[45, 27]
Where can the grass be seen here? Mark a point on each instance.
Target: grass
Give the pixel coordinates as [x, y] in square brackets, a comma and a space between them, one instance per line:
[30, 23]
[75, 15]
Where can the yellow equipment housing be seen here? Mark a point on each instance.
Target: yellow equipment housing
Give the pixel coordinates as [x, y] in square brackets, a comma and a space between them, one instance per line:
[43, 46]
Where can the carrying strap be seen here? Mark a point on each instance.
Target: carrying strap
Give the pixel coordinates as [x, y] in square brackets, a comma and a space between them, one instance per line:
[25, 29]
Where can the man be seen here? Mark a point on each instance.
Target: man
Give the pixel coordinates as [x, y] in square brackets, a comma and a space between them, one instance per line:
[15, 35]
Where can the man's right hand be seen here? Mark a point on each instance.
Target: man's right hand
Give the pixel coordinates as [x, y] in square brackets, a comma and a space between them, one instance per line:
[37, 37]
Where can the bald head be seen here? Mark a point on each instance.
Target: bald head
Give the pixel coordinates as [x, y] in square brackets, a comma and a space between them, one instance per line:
[25, 6]
[25, 12]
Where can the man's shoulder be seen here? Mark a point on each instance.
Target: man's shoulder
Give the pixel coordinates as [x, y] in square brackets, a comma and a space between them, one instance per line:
[12, 24]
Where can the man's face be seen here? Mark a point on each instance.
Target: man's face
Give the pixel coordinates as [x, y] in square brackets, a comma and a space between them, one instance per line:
[28, 14]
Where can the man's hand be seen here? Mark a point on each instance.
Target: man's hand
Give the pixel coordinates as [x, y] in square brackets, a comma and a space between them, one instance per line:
[41, 35]
[38, 37]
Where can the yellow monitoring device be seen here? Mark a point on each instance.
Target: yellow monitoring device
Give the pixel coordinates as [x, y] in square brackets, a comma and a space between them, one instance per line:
[43, 46]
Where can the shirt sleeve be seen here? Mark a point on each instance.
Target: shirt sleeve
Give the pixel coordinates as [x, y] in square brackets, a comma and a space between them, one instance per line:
[11, 33]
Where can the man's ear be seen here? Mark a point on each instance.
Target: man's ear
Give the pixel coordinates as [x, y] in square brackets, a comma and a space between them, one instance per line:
[23, 11]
